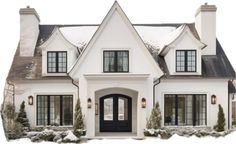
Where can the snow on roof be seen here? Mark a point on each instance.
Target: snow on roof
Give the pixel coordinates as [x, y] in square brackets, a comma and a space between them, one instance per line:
[154, 34]
[78, 35]
[81, 35]
[170, 37]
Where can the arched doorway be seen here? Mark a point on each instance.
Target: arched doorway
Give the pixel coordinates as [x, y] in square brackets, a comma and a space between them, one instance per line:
[115, 113]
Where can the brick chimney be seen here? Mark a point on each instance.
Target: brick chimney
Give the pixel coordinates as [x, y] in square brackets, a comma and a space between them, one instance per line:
[29, 30]
[205, 23]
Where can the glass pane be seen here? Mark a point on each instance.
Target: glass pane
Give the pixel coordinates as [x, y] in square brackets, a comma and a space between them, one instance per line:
[181, 110]
[200, 110]
[51, 64]
[169, 109]
[108, 109]
[180, 61]
[42, 110]
[191, 58]
[123, 109]
[55, 110]
[122, 58]
[67, 110]
[189, 110]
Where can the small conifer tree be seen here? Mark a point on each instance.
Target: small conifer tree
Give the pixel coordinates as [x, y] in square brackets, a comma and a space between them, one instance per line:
[79, 122]
[220, 121]
[154, 122]
[22, 116]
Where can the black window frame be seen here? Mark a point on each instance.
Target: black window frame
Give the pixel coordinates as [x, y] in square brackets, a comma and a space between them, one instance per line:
[48, 109]
[57, 61]
[185, 61]
[194, 112]
[115, 61]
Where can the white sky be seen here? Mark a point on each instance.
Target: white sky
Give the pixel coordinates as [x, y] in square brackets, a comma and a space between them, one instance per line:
[93, 12]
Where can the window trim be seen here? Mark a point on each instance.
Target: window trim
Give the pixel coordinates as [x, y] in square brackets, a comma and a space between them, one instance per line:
[115, 61]
[48, 109]
[186, 61]
[56, 61]
[193, 109]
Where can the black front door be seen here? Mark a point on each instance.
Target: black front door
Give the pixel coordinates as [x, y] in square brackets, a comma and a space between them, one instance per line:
[115, 113]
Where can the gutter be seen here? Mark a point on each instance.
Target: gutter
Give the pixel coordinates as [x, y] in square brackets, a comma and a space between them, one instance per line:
[156, 82]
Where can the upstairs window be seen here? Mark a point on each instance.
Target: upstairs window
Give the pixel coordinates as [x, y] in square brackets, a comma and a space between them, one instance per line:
[116, 61]
[186, 61]
[57, 62]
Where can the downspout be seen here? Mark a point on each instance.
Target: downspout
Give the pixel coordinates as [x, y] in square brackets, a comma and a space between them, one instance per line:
[13, 93]
[229, 116]
[156, 82]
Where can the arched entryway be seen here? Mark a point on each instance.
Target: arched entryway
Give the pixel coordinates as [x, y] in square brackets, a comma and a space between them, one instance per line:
[115, 113]
[116, 119]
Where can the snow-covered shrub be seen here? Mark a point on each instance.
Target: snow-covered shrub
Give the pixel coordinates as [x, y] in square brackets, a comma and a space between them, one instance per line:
[22, 116]
[220, 125]
[166, 133]
[13, 129]
[70, 137]
[154, 122]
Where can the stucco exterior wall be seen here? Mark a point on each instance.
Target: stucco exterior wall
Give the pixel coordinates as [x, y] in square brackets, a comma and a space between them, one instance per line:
[209, 87]
[46, 87]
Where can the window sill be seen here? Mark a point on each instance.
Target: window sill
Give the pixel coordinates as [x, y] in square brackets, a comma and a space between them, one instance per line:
[186, 73]
[55, 74]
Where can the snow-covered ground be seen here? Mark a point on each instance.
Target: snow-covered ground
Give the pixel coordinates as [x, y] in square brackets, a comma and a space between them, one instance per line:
[175, 139]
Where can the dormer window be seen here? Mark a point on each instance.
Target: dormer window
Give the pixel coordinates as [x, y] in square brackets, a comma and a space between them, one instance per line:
[57, 62]
[185, 60]
[116, 61]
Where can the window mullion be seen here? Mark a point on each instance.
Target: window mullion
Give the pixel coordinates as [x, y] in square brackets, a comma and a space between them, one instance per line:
[48, 112]
[56, 61]
[194, 110]
[61, 109]
[176, 109]
[116, 70]
[185, 61]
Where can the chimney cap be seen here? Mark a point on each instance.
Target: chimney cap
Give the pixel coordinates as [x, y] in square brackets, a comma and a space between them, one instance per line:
[29, 11]
[206, 8]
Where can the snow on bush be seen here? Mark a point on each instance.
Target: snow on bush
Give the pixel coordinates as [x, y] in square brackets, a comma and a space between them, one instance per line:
[70, 137]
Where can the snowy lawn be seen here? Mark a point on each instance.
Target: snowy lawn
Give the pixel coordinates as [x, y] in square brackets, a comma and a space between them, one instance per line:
[175, 139]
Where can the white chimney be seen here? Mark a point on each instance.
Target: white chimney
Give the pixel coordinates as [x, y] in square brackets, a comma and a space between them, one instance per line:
[29, 30]
[205, 23]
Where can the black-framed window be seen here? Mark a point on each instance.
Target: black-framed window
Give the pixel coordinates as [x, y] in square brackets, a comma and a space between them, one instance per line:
[185, 60]
[57, 62]
[185, 109]
[54, 110]
[115, 61]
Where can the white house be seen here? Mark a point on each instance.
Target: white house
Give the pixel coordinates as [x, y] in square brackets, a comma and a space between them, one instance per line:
[119, 70]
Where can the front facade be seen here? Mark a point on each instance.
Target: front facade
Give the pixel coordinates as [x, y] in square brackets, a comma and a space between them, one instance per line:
[119, 70]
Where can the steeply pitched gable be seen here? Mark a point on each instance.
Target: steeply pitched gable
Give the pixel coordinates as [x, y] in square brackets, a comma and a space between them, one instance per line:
[114, 12]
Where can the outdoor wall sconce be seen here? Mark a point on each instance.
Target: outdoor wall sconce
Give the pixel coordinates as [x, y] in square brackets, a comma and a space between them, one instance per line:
[89, 103]
[143, 103]
[213, 99]
[30, 100]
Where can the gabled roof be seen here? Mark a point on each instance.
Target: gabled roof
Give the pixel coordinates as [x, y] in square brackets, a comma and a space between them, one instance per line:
[175, 35]
[115, 8]
[217, 66]
[213, 66]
